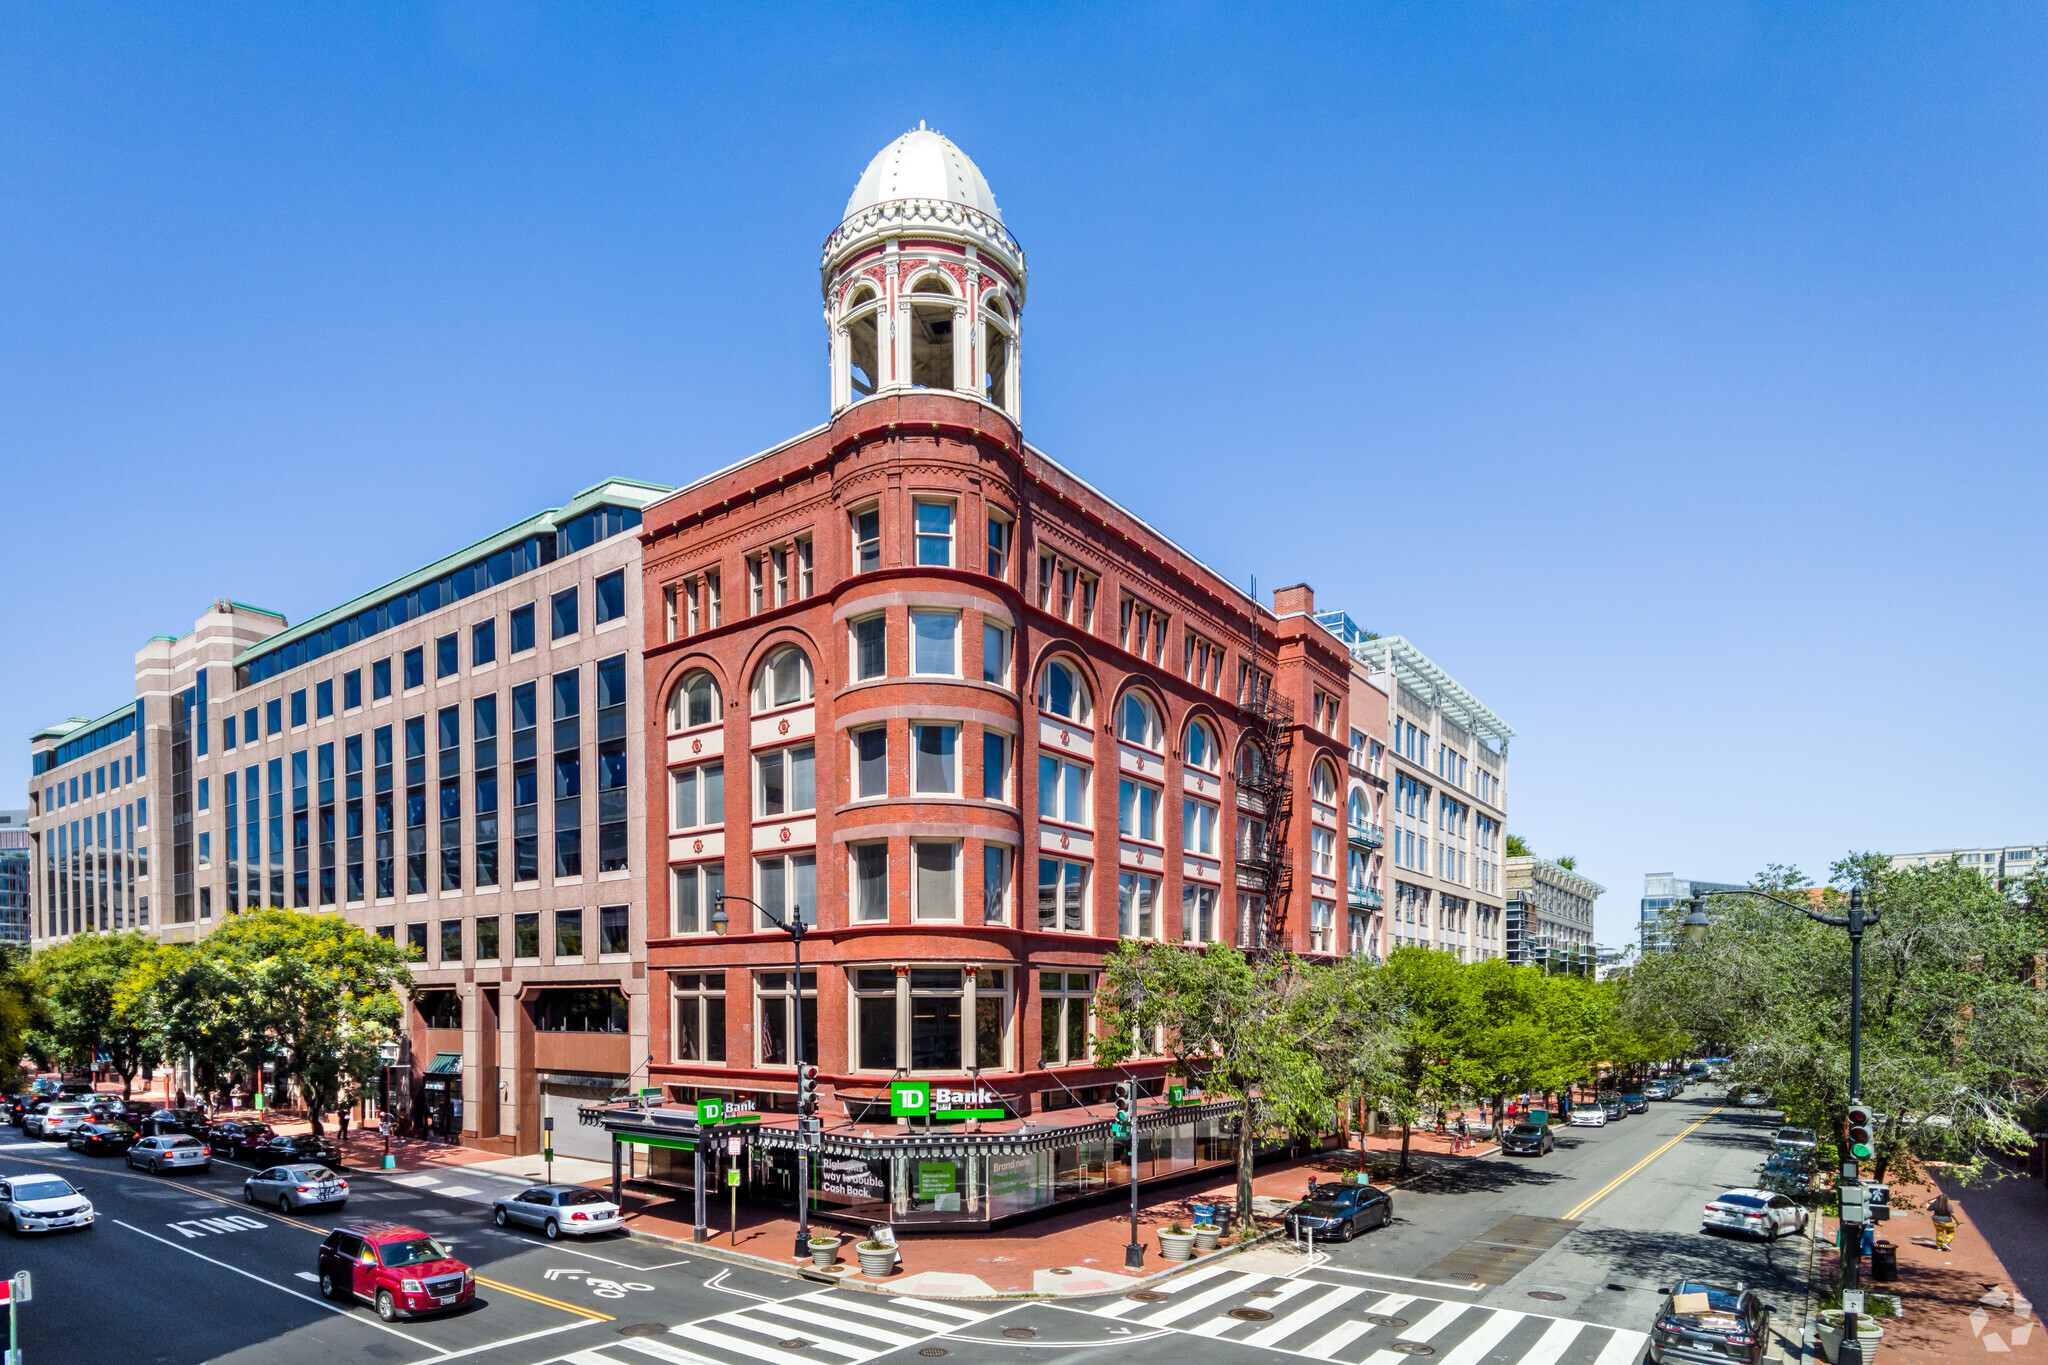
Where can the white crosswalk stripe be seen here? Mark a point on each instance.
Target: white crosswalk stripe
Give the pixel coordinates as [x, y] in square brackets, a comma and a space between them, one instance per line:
[833, 1324]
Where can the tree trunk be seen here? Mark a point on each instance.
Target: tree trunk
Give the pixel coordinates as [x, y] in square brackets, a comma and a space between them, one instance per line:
[1246, 1139]
[1407, 1131]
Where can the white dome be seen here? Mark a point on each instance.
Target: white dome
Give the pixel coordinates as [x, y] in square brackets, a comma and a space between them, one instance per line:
[923, 165]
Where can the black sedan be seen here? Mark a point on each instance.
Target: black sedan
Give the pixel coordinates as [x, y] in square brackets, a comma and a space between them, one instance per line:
[1612, 1106]
[236, 1139]
[101, 1138]
[1711, 1325]
[1636, 1104]
[292, 1148]
[1341, 1212]
[1528, 1139]
[191, 1122]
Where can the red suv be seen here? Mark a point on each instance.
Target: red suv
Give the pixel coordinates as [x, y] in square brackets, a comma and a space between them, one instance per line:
[401, 1270]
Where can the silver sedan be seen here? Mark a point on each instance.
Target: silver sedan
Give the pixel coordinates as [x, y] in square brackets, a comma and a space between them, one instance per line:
[293, 1187]
[557, 1210]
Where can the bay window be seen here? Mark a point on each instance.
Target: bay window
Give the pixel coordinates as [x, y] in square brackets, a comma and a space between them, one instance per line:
[870, 871]
[936, 892]
[935, 769]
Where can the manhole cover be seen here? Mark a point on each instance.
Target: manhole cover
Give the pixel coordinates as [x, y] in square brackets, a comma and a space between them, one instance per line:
[792, 1343]
[642, 1329]
[1546, 1296]
[1412, 1348]
[1249, 1315]
[1146, 1296]
[1059, 1270]
[1020, 1333]
[1382, 1320]
[933, 1351]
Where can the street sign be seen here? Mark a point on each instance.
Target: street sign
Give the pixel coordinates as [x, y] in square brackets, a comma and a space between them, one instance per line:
[548, 1124]
[23, 1289]
[732, 1178]
[734, 1145]
[1852, 1301]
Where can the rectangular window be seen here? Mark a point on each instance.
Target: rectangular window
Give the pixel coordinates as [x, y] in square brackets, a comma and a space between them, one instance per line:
[779, 558]
[1322, 846]
[380, 679]
[867, 539]
[870, 881]
[1198, 827]
[568, 697]
[352, 689]
[936, 769]
[483, 643]
[804, 574]
[693, 891]
[757, 585]
[445, 662]
[995, 653]
[562, 612]
[526, 936]
[781, 1021]
[610, 592]
[323, 699]
[416, 942]
[937, 1000]
[416, 806]
[568, 933]
[1063, 1000]
[384, 833]
[451, 942]
[871, 762]
[714, 609]
[784, 885]
[484, 732]
[999, 527]
[1198, 913]
[699, 1002]
[870, 647]
[612, 853]
[788, 781]
[1062, 790]
[525, 783]
[522, 628]
[1136, 901]
[935, 643]
[1137, 810]
[487, 938]
[995, 884]
[298, 708]
[302, 835]
[248, 730]
[205, 797]
[415, 668]
[937, 889]
[352, 790]
[995, 765]
[874, 993]
[935, 533]
[448, 723]
[1062, 896]
[697, 797]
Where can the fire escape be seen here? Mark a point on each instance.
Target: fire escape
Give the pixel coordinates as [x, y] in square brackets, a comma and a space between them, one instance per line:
[1264, 865]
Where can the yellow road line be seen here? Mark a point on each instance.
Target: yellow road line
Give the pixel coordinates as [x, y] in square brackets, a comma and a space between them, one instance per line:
[1614, 1184]
[542, 1298]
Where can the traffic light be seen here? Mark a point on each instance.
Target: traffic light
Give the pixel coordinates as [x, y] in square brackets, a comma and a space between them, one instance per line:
[1126, 1109]
[1862, 1144]
[806, 1089]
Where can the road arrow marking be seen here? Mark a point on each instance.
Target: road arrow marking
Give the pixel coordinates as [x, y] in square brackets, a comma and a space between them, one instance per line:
[557, 1274]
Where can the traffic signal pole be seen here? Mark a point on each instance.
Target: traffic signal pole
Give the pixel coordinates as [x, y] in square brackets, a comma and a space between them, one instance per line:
[1127, 1118]
[1855, 1200]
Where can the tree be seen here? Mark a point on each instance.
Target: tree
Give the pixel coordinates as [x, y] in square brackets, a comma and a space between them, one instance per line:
[1568, 863]
[22, 1013]
[1431, 998]
[96, 989]
[1518, 847]
[1248, 1029]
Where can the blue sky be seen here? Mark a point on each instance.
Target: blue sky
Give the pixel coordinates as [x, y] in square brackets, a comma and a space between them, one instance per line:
[1672, 375]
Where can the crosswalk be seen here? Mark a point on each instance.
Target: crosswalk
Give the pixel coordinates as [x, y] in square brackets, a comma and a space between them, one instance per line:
[844, 1325]
[1358, 1326]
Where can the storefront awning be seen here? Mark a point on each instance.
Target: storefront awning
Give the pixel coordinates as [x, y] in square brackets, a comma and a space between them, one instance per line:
[445, 1064]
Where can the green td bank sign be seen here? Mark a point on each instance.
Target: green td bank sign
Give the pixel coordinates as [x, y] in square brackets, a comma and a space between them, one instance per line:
[948, 1104]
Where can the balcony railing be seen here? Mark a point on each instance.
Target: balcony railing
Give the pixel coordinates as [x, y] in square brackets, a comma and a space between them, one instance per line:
[1367, 836]
[1367, 897]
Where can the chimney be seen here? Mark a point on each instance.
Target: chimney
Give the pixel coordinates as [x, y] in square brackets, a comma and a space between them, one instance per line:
[1300, 598]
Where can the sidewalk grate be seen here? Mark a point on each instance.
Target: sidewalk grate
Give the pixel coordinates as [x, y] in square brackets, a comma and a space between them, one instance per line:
[1502, 1252]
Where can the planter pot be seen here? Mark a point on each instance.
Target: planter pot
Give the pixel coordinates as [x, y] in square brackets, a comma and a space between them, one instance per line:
[1207, 1238]
[1177, 1246]
[877, 1264]
[1830, 1331]
[824, 1250]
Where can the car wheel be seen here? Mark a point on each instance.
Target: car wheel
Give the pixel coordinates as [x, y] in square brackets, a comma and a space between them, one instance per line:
[387, 1307]
[13, 1226]
[328, 1289]
[286, 1204]
[248, 1195]
[552, 1230]
[498, 1216]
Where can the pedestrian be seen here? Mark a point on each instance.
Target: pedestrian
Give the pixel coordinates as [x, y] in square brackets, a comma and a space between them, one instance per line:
[344, 1125]
[1464, 1134]
[1944, 1216]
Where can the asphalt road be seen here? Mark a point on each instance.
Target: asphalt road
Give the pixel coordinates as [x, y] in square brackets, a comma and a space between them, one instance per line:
[1557, 1260]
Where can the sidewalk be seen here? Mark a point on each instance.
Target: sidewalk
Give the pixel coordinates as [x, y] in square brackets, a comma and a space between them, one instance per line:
[1958, 1305]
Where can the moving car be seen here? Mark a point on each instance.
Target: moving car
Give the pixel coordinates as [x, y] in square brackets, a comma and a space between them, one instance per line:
[558, 1209]
[237, 1138]
[1759, 1213]
[291, 1147]
[1341, 1212]
[1612, 1106]
[1802, 1138]
[1656, 1090]
[1700, 1322]
[56, 1120]
[399, 1269]
[1589, 1116]
[98, 1138]
[1528, 1139]
[1747, 1097]
[294, 1187]
[192, 1121]
[170, 1152]
[43, 1203]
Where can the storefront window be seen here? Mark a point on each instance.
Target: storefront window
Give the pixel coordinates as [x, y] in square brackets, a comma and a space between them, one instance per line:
[935, 1018]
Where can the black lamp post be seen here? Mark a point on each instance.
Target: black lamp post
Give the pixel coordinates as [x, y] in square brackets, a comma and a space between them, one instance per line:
[1694, 929]
[795, 928]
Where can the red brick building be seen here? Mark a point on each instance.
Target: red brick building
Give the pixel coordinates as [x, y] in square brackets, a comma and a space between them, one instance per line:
[974, 721]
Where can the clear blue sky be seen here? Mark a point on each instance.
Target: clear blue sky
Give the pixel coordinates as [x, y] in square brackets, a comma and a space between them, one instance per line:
[1673, 375]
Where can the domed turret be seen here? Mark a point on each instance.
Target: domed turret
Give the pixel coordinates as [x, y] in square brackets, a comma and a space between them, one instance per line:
[924, 286]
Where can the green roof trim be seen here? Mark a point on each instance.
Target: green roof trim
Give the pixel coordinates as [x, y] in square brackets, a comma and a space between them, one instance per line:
[65, 729]
[615, 492]
[260, 611]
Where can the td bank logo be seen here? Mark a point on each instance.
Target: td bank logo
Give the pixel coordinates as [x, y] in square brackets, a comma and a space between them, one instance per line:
[920, 1099]
[910, 1099]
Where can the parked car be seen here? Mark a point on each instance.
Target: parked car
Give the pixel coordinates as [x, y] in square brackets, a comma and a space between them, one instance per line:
[1713, 1326]
[57, 1119]
[1341, 1212]
[43, 1203]
[1612, 1106]
[1759, 1213]
[399, 1269]
[1802, 1138]
[1656, 1090]
[295, 1186]
[1636, 1103]
[1747, 1097]
[1785, 1175]
[97, 1139]
[1588, 1116]
[1528, 1139]
[292, 1147]
[238, 1139]
[558, 1209]
[158, 1153]
[189, 1121]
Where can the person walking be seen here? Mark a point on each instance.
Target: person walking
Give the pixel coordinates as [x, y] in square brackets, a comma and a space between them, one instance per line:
[344, 1125]
[1944, 1215]
[1464, 1139]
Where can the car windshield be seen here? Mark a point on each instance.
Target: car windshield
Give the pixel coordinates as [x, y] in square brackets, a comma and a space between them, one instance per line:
[47, 1188]
[1718, 1300]
[412, 1251]
[1530, 1130]
[1741, 1201]
[583, 1197]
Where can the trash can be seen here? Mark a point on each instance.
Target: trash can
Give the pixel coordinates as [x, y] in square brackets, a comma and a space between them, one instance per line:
[1203, 1213]
[1884, 1261]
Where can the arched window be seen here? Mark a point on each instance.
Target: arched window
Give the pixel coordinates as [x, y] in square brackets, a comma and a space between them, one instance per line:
[934, 282]
[1361, 807]
[1322, 784]
[931, 344]
[784, 679]
[694, 702]
[1203, 752]
[1061, 691]
[1251, 764]
[863, 342]
[1137, 721]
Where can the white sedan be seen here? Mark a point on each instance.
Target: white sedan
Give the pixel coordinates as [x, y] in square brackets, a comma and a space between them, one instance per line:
[43, 1203]
[1756, 1212]
[559, 1211]
[1589, 1116]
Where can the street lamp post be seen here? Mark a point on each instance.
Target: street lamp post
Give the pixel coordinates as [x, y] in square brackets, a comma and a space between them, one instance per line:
[795, 928]
[1855, 1208]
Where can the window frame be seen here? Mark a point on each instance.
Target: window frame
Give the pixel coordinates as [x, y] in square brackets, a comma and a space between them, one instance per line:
[696, 772]
[699, 994]
[678, 708]
[917, 641]
[950, 756]
[942, 542]
[702, 896]
[786, 753]
[855, 646]
[1083, 698]
[762, 700]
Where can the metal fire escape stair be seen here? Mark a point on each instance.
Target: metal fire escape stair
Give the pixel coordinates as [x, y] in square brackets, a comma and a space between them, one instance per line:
[1269, 725]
